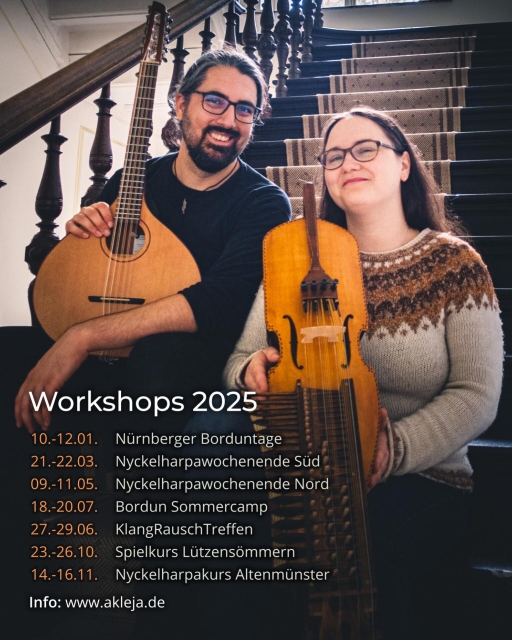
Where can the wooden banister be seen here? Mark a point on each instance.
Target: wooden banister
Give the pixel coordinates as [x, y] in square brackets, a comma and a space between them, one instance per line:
[31, 109]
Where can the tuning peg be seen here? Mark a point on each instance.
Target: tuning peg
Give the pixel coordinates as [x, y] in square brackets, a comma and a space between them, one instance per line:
[165, 49]
[164, 59]
[167, 39]
[168, 19]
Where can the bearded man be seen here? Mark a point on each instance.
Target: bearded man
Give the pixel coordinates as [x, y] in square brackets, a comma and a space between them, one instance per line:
[220, 209]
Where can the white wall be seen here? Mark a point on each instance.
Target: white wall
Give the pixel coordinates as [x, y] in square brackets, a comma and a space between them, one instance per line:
[421, 14]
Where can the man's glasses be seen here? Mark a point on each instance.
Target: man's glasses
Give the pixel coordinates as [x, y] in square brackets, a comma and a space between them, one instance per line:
[362, 151]
[213, 103]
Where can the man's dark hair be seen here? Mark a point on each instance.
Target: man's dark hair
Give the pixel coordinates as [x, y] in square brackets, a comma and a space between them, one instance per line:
[423, 204]
[171, 133]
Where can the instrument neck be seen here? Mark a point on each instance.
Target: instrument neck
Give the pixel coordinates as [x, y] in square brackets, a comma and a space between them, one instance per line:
[131, 189]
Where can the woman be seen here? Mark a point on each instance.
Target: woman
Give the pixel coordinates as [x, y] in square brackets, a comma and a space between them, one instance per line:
[434, 342]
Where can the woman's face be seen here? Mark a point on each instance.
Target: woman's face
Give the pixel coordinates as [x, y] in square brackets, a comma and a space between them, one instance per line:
[358, 187]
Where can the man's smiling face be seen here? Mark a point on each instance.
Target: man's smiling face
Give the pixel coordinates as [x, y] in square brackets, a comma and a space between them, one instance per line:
[214, 141]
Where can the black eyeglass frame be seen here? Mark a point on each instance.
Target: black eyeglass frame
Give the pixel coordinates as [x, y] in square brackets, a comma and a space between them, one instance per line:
[255, 117]
[349, 150]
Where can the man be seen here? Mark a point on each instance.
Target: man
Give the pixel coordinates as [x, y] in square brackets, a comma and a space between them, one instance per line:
[221, 209]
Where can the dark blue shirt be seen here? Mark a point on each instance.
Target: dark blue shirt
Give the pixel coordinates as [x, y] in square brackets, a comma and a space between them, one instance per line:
[223, 229]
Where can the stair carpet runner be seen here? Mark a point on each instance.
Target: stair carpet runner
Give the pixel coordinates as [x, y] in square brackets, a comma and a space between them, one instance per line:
[419, 82]
[422, 84]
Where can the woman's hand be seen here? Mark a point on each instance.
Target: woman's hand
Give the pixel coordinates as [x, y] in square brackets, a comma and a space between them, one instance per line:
[255, 377]
[96, 220]
[380, 464]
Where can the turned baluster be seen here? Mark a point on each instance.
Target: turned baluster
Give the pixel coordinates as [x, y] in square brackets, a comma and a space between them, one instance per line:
[100, 157]
[283, 32]
[207, 36]
[296, 20]
[319, 23]
[48, 200]
[250, 33]
[179, 54]
[231, 20]
[309, 8]
[267, 47]
[171, 132]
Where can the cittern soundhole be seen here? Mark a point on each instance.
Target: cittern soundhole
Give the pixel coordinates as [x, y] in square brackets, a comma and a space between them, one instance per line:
[127, 241]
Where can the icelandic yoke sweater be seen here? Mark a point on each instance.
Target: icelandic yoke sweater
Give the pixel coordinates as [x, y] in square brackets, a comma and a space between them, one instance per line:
[435, 343]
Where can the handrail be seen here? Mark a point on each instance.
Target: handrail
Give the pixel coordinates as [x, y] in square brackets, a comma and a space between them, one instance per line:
[34, 107]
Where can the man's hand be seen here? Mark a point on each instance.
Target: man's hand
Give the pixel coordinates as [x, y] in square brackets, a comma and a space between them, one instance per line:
[380, 464]
[96, 220]
[255, 377]
[49, 375]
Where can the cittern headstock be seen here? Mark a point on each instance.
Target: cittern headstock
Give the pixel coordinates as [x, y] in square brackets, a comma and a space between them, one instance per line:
[156, 30]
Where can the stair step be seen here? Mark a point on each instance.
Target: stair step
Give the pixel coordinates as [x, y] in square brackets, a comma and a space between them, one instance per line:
[477, 76]
[465, 176]
[478, 59]
[480, 176]
[490, 525]
[326, 35]
[496, 252]
[480, 145]
[483, 214]
[472, 119]
[484, 96]
[337, 51]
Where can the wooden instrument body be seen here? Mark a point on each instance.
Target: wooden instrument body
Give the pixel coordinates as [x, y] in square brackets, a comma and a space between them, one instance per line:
[79, 273]
[287, 260]
[323, 399]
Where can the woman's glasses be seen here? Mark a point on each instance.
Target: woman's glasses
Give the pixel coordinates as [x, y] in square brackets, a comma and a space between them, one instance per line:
[214, 103]
[362, 151]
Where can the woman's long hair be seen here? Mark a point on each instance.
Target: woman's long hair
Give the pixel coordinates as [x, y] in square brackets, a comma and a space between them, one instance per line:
[423, 206]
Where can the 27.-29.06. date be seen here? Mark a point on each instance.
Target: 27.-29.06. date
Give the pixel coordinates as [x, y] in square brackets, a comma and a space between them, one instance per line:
[63, 529]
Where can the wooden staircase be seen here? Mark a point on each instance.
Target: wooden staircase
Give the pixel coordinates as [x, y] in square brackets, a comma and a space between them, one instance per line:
[470, 597]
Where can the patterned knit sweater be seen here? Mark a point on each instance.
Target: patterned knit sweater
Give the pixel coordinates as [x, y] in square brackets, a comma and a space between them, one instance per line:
[435, 343]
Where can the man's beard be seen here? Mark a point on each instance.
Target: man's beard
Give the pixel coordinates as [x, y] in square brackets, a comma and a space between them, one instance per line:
[210, 158]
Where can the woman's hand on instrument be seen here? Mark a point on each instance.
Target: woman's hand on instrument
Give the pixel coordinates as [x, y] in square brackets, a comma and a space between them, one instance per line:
[96, 220]
[380, 464]
[48, 376]
[255, 377]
